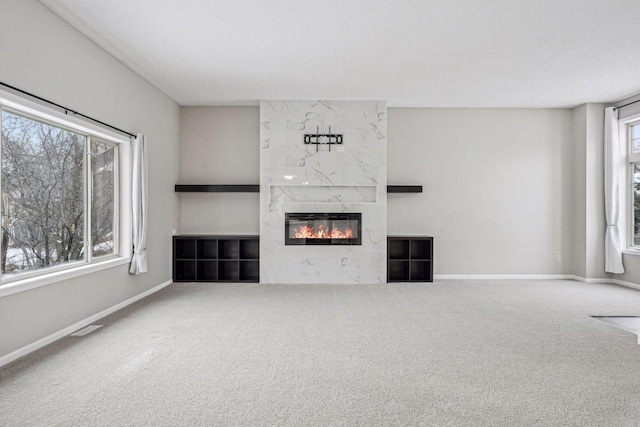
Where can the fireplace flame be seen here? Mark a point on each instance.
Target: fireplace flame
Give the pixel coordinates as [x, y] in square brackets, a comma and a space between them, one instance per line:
[306, 232]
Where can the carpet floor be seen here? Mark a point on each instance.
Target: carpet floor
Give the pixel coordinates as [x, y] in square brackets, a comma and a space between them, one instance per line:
[480, 353]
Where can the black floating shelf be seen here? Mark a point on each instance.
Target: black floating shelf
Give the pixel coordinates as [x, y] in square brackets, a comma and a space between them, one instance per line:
[217, 188]
[256, 188]
[404, 188]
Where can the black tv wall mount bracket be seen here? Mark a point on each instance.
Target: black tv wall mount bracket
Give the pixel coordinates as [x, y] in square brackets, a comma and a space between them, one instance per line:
[327, 138]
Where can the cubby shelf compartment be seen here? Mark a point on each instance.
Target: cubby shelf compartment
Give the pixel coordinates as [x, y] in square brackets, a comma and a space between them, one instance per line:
[409, 259]
[205, 258]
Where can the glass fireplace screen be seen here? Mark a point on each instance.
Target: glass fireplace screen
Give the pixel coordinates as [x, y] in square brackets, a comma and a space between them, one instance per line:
[323, 229]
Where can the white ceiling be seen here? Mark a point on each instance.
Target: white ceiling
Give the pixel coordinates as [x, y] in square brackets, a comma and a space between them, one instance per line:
[412, 53]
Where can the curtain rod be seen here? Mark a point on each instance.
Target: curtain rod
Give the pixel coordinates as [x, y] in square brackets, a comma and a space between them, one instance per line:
[67, 110]
[627, 104]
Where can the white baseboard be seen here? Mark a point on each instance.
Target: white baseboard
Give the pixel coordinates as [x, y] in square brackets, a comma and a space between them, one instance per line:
[503, 276]
[592, 280]
[628, 285]
[608, 281]
[535, 277]
[8, 358]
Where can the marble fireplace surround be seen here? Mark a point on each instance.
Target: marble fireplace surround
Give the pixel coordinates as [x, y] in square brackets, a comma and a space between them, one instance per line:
[294, 177]
[323, 194]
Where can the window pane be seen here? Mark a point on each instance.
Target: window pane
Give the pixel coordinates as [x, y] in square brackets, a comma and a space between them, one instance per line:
[635, 137]
[102, 207]
[636, 204]
[43, 198]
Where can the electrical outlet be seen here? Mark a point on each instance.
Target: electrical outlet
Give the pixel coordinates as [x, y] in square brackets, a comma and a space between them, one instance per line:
[558, 258]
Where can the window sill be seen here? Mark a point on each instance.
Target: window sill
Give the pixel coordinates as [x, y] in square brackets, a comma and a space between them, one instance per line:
[635, 252]
[58, 276]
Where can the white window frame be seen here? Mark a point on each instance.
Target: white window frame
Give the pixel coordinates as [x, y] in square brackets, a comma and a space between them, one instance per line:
[628, 158]
[116, 198]
[122, 241]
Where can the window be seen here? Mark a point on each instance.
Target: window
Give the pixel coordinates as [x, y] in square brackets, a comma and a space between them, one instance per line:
[633, 136]
[59, 196]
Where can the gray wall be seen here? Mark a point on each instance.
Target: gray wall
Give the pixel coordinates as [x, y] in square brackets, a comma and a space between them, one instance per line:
[497, 187]
[497, 182]
[220, 145]
[43, 55]
[579, 192]
[596, 222]
[588, 192]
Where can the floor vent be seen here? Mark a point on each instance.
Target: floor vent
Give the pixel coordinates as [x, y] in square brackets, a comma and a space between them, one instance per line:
[86, 330]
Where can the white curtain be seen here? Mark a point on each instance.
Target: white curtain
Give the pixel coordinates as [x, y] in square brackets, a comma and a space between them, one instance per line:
[139, 205]
[612, 249]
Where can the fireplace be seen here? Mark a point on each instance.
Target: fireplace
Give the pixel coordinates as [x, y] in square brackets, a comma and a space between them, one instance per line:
[323, 229]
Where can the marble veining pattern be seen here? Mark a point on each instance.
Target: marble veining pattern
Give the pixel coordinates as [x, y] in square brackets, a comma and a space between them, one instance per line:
[295, 177]
[326, 194]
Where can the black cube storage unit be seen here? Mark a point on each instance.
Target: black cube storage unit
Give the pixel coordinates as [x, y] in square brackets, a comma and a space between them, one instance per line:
[216, 258]
[409, 259]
